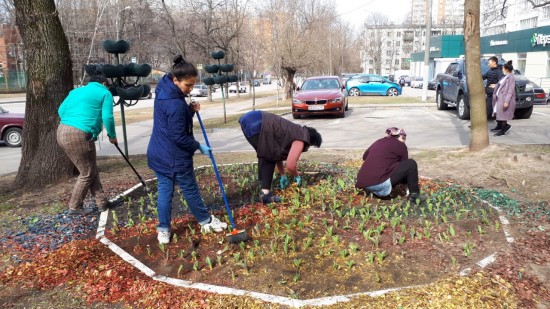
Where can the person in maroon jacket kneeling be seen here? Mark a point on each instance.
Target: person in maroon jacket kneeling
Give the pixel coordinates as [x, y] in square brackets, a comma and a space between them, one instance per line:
[386, 164]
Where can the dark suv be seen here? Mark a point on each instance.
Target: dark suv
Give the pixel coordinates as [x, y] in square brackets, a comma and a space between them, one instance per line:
[452, 91]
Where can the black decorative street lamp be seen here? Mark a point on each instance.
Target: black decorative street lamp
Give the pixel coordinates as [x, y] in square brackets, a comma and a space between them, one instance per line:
[218, 76]
[125, 79]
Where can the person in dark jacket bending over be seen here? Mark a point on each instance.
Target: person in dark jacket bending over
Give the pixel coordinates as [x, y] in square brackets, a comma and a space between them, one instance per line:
[386, 164]
[275, 140]
[492, 76]
[171, 148]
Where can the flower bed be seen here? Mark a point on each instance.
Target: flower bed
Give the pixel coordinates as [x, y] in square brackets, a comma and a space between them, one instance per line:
[325, 239]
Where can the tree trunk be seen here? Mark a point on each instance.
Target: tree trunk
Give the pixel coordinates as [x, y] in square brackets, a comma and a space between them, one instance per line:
[288, 81]
[49, 81]
[479, 136]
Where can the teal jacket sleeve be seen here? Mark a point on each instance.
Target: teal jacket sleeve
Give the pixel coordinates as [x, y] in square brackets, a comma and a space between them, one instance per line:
[107, 115]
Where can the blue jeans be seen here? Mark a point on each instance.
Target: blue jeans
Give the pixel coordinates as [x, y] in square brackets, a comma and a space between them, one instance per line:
[381, 189]
[188, 185]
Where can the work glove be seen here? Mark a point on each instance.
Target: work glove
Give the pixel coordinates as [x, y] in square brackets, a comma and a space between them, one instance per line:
[283, 181]
[298, 180]
[205, 150]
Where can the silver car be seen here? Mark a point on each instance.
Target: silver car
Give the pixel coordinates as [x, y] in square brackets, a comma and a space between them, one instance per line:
[199, 90]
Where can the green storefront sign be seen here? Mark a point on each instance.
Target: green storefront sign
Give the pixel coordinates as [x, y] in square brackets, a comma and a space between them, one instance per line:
[522, 41]
[445, 46]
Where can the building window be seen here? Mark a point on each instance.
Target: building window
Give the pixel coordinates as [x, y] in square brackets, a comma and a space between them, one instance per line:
[528, 23]
[371, 71]
[396, 61]
[388, 43]
[522, 60]
[397, 43]
[389, 33]
[388, 61]
[371, 61]
[398, 34]
[388, 53]
[546, 12]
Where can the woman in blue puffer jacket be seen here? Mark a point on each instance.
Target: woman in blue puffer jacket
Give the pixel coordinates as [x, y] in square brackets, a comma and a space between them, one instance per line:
[171, 148]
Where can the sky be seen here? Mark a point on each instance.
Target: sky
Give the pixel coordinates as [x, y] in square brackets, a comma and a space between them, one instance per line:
[355, 11]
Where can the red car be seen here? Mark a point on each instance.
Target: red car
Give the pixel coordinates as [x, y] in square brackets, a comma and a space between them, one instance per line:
[11, 128]
[320, 95]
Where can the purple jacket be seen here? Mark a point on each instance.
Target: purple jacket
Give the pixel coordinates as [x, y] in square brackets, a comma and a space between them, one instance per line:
[380, 161]
[506, 94]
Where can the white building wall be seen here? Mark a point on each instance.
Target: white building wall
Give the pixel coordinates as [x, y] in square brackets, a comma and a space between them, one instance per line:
[536, 65]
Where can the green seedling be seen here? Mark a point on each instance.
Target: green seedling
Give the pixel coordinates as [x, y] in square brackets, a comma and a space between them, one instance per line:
[350, 264]
[148, 250]
[453, 261]
[336, 239]
[480, 230]
[344, 253]
[196, 266]
[370, 258]
[180, 269]
[452, 231]
[209, 262]
[251, 254]
[181, 253]
[323, 242]
[237, 256]
[380, 256]
[219, 260]
[242, 245]
[329, 231]
[353, 248]
[296, 277]
[194, 255]
[467, 248]
[336, 266]
[297, 263]
[256, 243]
[307, 243]
[497, 225]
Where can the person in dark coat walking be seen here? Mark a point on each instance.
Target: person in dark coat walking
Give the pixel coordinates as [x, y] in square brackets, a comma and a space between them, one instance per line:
[386, 163]
[493, 75]
[171, 148]
[504, 99]
[275, 140]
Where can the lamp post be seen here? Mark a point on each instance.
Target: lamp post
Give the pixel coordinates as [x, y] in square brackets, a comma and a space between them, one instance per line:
[116, 21]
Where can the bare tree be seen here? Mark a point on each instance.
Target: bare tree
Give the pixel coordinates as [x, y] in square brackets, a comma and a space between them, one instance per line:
[479, 137]
[49, 81]
[297, 36]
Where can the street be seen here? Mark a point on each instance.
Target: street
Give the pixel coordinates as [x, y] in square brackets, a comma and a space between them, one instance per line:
[426, 127]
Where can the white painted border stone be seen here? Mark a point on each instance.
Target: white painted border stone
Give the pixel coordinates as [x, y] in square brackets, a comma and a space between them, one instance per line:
[324, 301]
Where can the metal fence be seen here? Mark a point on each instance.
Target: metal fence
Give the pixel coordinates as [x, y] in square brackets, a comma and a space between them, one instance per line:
[13, 82]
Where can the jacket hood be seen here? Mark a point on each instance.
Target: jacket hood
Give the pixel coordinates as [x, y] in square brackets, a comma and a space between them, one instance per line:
[166, 89]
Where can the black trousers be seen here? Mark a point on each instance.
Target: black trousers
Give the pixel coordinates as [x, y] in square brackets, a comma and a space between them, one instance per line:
[266, 168]
[406, 173]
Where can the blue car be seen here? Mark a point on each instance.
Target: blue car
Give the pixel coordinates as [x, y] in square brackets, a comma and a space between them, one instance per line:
[371, 84]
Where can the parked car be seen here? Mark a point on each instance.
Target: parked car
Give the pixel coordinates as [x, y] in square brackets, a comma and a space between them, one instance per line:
[320, 95]
[11, 128]
[267, 81]
[256, 83]
[371, 84]
[199, 90]
[539, 93]
[452, 91]
[417, 82]
[345, 76]
[233, 88]
[432, 83]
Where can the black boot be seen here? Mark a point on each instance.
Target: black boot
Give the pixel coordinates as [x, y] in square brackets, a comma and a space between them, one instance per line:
[497, 128]
[504, 130]
[417, 198]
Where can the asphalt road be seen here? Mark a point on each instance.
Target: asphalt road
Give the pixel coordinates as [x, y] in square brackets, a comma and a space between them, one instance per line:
[426, 128]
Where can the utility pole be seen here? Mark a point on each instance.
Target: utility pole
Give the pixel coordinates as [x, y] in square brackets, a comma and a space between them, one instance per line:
[427, 53]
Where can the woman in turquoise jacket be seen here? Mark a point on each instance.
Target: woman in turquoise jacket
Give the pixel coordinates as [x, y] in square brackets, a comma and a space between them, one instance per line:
[83, 114]
[171, 148]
